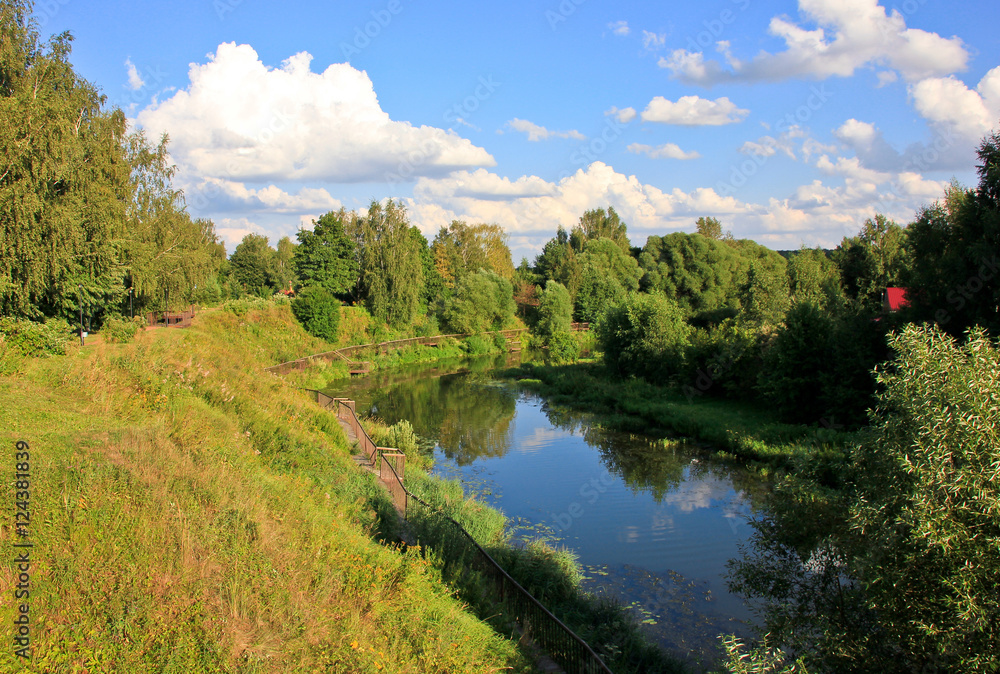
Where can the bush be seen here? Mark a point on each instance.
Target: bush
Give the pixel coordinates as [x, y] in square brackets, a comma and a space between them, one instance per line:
[32, 339]
[563, 348]
[482, 301]
[476, 345]
[318, 311]
[119, 330]
[646, 336]
[241, 307]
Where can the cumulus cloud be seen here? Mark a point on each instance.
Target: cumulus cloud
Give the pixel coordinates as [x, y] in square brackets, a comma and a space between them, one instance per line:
[958, 118]
[848, 34]
[135, 81]
[950, 105]
[665, 151]
[624, 115]
[221, 195]
[693, 111]
[241, 120]
[545, 205]
[536, 133]
[619, 28]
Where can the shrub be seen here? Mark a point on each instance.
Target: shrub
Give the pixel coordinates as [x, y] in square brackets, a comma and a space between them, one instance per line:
[318, 311]
[241, 307]
[646, 336]
[563, 348]
[36, 339]
[119, 330]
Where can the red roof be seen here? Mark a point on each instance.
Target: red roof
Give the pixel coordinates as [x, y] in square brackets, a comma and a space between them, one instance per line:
[895, 298]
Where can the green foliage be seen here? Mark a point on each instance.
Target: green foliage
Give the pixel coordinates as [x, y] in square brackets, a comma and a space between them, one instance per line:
[563, 348]
[460, 249]
[390, 264]
[252, 266]
[242, 306]
[724, 359]
[482, 301]
[797, 364]
[954, 250]
[698, 273]
[710, 228]
[316, 308]
[872, 261]
[598, 224]
[814, 277]
[764, 295]
[607, 275]
[555, 311]
[325, 256]
[31, 338]
[646, 336]
[558, 262]
[762, 659]
[118, 329]
[927, 515]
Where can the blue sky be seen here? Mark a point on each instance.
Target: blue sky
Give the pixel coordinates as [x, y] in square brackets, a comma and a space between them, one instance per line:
[790, 122]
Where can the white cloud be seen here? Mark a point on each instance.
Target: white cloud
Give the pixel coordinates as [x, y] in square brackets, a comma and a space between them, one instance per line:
[221, 195]
[536, 132]
[619, 28]
[848, 34]
[653, 41]
[646, 209]
[240, 120]
[135, 81]
[665, 151]
[624, 115]
[886, 77]
[767, 146]
[950, 105]
[693, 111]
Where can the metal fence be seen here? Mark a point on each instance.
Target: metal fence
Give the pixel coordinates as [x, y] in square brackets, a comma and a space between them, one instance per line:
[537, 623]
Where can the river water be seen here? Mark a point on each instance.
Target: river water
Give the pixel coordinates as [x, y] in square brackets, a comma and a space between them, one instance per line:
[653, 523]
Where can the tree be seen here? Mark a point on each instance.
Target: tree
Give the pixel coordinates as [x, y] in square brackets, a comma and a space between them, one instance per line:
[872, 261]
[390, 265]
[814, 277]
[558, 262]
[251, 266]
[764, 295]
[927, 514]
[607, 275]
[954, 248]
[461, 249]
[555, 311]
[710, 228]
[700, 274]
[316, 308]
[325, 255]
[482, 301]
[646, 336]
[64, 180]
[596, 224]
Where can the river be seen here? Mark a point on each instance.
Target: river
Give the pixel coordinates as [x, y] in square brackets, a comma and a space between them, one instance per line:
[653, 523]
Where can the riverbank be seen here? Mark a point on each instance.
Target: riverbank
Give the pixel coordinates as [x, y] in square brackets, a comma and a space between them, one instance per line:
[728, 428]
[191, 514]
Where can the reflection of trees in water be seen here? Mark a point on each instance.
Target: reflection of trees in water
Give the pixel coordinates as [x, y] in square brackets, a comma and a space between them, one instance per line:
[463, 412]
[654, 465]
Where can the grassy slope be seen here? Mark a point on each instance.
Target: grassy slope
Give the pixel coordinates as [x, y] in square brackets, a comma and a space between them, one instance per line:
[190, 513]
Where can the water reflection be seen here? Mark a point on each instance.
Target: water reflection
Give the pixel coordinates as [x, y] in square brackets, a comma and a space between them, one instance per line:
[654, 522]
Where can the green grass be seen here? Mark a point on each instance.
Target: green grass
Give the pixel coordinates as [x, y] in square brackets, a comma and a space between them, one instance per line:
[191, 513]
